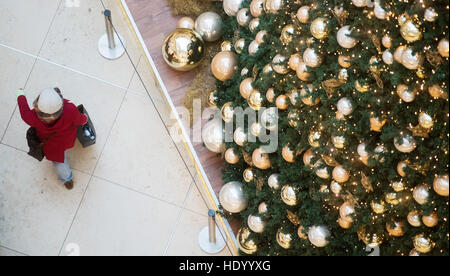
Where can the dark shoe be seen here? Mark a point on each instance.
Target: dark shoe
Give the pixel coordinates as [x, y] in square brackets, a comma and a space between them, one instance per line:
[69, 185]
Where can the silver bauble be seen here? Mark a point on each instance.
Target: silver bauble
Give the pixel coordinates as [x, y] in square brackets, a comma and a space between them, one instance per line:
[359, 3]
[273, 6]
[274, 181]
[240, 137]
[411, 61]
[443, 47]
[405, 94]
[319, 235]
[425, 120]
[256, 224]
[213, 135]
[440, 185]
[414, 218]
[257, 8]
[319, 28]
[303, 14]
[379, 12]
[243, 17]
[399, 53]
[362, 150]
[239, 45]
[232, 7]
[279, 64]
[232, 197]
[344, 39]
[344, 106]
[405, 143]
[209, 26]
[340, 174]
[430, 15]
[386, 41]
[347, 211]
[253, 47]
[311, 58]
[421, 194]
[269, 118]
[335, 187]
[289, 195]
[388, 58]
[254, 23]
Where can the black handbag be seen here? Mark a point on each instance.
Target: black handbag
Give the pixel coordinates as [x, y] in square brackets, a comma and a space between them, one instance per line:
[35, 144]
[86, 134]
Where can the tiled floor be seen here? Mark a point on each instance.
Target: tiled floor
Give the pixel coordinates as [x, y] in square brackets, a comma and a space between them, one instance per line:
[135, 192]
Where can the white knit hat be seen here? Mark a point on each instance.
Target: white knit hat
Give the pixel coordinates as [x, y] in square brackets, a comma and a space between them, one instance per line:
[50, 101]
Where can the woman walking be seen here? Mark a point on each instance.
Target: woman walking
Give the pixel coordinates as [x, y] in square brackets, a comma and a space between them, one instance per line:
[56, 121]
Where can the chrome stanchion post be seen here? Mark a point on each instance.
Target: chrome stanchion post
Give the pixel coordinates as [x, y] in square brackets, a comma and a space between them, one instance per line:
[111, 45]
[210, 239]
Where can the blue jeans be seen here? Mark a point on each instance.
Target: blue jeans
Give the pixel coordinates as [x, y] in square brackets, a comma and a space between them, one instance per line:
[63, 170]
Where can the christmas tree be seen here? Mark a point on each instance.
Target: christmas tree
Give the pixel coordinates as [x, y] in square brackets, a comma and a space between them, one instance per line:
[361, 90]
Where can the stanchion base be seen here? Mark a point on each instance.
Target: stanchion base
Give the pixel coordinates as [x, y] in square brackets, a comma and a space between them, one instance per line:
[106, 52]
[206, 246]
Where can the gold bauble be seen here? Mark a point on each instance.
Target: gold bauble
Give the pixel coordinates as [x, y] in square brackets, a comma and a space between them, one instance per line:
[396, 228]
[440, 185]
[414, 218]
[401, 168]
[399, 53]
[268, 69]
[307, 158]
[361, 88]
[246, 88]
[256, 223]
[359, 3]
[343, 75]
[379, 207]
[443, 48]
[287, 34]
[274, 181]
[289, 195]
[338, 141]
[261, 159]
[294, 61]
[344, 224]
[231, 7]
[255, 129]
[261, 36]
[270, 95]
[386, 41]
[240, 137]
[410, 61]
[253, 48]
[243, 17]
[422, 243]
[284, 240]
[302, 71]
[227, 112]
[282, 102]
[319, 28]
[301, 234]
[402, 18]
[226, 46]
[254, 24]
[425, 120]
[293, 118]
[430, 15]
[279, 64]
[273, 6]
[224, 65]
[262, 208]
[248, 175]
[244, 71]
[303, 14]
[255, 100]
[257, 8]
[322, 170]
[186, 23]
[288, 154]
[314, 138]
[246, 245]
[347, 211]
[380, 150]
[319, 235]
[212, 99]
[410, 31]
[183, 49]
[239, 45]
[311, 58]
[294, 96]
[306, 95]
[392, 198]
[374, 62]
[340, 174]
[435, 91]
[336, 187]
[398, 186]
[405, 94]
[376, 124]
[344, 61]
[431, 220]
[371, 239]
[405, 142]
[231, 156]
[387, 57]
[421, 194]
[345, 39]
[414, 253]
[421, 72]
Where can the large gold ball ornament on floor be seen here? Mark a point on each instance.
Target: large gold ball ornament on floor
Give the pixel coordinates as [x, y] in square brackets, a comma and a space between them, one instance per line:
[257, 8]
[319, 28]
[274, 181]
[213, 136]
[344, 39]
[319, 235]
[248, 175]
[405, 143]
[311, 58]
[414, 218]
[224, 65]
[209, 26]
[410, 31]
[443, 48]
[232, 197]
[440, 185]
[246, 245]
[232, 7]
[421, 194]
[431, 220]
[396, 228]
[183, 49]
[273, 6]
[261, 159]
[303, 14]
[422, 243]
[256, 223]
[231, 156]
[186, 23]
[347, 211]
[283, 239]
[289, 195]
